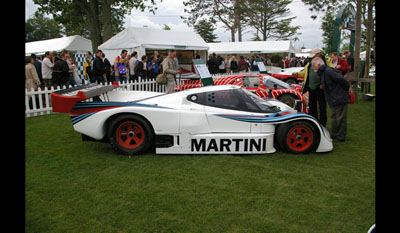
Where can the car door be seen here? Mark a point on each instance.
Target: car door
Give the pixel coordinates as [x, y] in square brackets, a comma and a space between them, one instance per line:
[193, 118]
[224, 109]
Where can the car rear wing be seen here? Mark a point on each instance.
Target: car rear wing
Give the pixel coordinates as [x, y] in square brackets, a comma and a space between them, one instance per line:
[63, 100]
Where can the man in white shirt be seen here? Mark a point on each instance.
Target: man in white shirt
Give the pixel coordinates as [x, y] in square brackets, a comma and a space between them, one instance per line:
[47, 69]
[132, 65]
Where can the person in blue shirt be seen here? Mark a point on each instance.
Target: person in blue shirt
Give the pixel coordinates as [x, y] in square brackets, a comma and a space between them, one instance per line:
[152, 67]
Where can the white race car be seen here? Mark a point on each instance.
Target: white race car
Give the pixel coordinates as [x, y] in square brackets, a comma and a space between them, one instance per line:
[208, 120]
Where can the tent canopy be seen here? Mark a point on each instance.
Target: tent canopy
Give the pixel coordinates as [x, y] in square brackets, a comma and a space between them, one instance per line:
[249, 47]
[140, 39]
[70, 43]
[154, 38]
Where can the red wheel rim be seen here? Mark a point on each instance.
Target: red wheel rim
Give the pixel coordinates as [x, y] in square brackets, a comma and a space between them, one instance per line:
[300, 138]
[130, 135]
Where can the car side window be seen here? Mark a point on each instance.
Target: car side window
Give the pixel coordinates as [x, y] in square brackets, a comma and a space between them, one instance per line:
[251, 81]
[272, 82]
[223, 99]
[220, 99]
[269, 83]
[238, 99]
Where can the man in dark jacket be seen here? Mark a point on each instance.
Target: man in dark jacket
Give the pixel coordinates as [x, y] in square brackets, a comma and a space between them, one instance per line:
[108, 67]
[60, 75]
[99, 68]
[213, 64]
[336, 89]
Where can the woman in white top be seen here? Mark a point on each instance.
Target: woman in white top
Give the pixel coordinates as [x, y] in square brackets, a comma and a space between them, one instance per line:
[78, 81]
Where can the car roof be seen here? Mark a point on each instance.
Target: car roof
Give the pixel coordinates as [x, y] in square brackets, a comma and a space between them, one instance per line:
[211, 88]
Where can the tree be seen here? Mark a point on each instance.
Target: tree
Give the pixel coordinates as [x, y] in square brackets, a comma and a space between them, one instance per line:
[166, 27]
[275, 59]
[227, 12]
[317, 6]
[323, 5]
[268, 17]
[370, 28]
[206, 30]
[256, 37]
[330, 8]
[327, 29]
[41, 28]
[357, 47]
[99, 20]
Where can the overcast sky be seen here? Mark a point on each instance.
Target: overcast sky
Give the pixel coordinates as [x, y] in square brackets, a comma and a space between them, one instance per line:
[169, 11]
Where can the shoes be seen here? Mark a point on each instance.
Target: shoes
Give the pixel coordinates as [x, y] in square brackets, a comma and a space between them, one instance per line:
[338, 140]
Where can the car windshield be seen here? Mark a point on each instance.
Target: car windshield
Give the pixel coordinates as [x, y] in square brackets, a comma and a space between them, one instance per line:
[261, 103]
[270, 82]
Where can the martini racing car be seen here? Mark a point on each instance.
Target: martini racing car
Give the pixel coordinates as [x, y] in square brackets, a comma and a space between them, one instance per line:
[263, 85]
[209, 120]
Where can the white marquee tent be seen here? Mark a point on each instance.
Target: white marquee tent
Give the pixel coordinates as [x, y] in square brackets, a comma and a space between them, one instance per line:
[140, 39]
[76, 44]
[71, 43]
[251, 47]
[303, 53]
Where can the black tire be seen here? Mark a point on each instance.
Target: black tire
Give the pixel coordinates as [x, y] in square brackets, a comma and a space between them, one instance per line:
[298, 137]
[288, 99]
[130, 134]
[291, 81]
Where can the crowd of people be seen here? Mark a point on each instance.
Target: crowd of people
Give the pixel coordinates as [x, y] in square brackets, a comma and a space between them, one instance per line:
[58, 69]
[217, 64]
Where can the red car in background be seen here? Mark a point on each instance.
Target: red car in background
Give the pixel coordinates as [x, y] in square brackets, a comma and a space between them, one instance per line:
[286, 74]
[265, 86]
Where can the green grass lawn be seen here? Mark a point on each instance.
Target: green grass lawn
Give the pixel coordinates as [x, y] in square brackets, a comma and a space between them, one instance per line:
[75, 186]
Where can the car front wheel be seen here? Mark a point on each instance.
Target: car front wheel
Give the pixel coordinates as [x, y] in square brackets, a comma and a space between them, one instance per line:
[298, 137]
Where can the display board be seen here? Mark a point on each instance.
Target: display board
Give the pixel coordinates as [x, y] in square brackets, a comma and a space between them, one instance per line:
[203, 71]
[261, 66]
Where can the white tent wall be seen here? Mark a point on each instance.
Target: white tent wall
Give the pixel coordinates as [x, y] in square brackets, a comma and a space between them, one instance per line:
[248, 48]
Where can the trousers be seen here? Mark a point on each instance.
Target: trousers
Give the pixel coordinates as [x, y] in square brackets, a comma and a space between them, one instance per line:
[317, 100]
[339, 121]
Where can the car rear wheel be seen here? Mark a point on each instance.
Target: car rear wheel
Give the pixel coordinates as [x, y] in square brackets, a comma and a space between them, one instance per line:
[130, 134]
[298, 137]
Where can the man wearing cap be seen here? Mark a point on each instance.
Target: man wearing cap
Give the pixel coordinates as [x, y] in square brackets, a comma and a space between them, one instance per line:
[312, 84]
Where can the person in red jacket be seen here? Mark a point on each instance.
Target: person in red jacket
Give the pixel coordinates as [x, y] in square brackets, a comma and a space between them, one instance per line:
[339, 64]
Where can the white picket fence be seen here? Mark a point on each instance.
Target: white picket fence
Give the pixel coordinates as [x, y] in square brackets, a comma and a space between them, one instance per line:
[39, 102]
